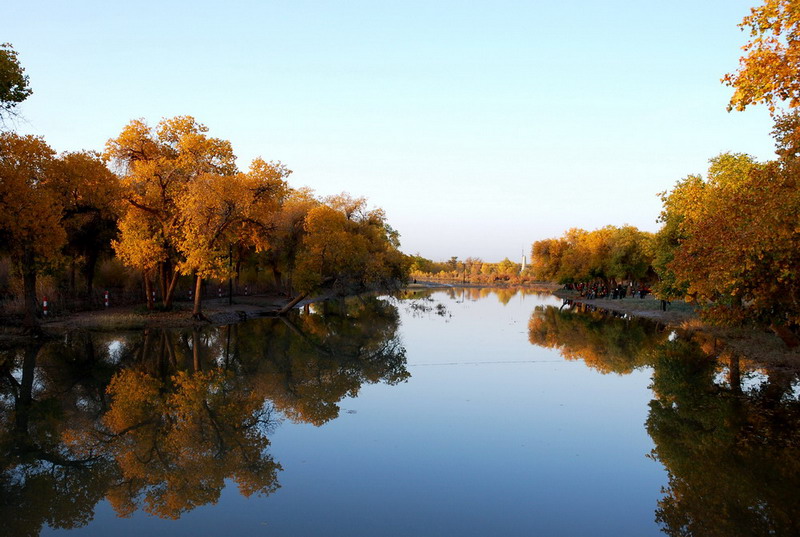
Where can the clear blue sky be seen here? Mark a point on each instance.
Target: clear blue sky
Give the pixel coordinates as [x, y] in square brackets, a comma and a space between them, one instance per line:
[478, 126]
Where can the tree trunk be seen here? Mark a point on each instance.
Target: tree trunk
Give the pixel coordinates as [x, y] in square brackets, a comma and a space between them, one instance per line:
[288, 307]
[300, 297]
[30, 323]
[72, 270]
[169, 295]
[197, 311]
[198, 366]
[162, 279]
[24, 400]
[148, 291]
[91, 265]
[734, 374]
[276, 275]
[238, 272]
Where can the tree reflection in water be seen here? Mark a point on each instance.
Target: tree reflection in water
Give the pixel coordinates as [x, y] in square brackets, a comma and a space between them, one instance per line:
[606, 343]
[727, 431]
[159, 420]
[733, 454]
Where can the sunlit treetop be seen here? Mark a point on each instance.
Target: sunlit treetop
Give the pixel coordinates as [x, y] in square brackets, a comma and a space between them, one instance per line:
[769, 71]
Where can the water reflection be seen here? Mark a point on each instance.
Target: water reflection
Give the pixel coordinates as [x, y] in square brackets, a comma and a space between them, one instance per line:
[472, 294]
[733, 454]
[159, 420]
[607, 343]
[726, 430]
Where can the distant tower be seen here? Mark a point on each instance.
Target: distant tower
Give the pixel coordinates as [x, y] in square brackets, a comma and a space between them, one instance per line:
[524, 262]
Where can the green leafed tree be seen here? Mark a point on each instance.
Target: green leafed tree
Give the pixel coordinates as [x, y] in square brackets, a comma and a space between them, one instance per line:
[14, 86]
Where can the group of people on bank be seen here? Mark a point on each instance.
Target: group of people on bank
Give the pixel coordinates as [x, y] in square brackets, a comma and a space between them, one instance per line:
[600, 290]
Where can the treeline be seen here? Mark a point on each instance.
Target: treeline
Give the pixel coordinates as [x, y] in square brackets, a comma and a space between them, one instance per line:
[472, 270]
[609, 255]
[730, 242]
[170, 204]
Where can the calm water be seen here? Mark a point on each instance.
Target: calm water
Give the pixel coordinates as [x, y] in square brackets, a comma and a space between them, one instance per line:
[458, 412]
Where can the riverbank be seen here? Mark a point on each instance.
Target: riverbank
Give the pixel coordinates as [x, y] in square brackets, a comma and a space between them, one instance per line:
[677, 313]
[544, 287]
[217, 312]
[761, 346]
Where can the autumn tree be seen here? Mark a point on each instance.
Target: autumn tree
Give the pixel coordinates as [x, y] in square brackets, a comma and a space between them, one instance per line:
[286, 238]
[30, 212]
[546, 257]
[349, 247]
[630, 256]
[768, 71]
[157, 166]
[686, 193]
[221, 211]
[738, 243]
[89, 194]
[14, 86]
[608, 254]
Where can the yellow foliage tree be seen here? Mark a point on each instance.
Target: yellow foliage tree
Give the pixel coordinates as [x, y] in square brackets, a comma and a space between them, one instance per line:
[349, 246]
[157, 167]
[769, 71]
[30, 212]
[90, 195]
[738, 242]
[220, 211]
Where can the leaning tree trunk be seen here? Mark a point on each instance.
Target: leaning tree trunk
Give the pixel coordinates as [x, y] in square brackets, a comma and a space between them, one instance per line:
[296, 300]
[288, 307]
[170, 290]
[788, 337]
[168, 278]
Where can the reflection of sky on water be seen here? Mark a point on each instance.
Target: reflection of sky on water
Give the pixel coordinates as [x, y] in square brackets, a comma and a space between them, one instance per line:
[493, 435]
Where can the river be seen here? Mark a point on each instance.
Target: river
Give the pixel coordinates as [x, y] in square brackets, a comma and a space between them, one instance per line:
[467, 412]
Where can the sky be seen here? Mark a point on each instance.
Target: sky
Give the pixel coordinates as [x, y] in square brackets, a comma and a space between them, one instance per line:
[479, 127]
